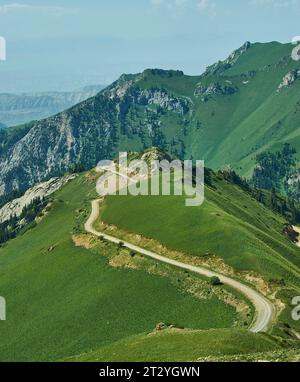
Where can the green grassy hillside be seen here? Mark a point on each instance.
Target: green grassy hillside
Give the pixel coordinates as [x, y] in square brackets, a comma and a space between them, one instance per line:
[64, 300]
[230, 224]
[72, 303]
[182, 346]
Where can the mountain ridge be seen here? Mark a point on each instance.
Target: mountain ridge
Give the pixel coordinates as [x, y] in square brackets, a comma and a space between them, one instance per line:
[225, 116]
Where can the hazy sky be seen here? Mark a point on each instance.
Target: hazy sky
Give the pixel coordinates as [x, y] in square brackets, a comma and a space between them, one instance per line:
[57, 45]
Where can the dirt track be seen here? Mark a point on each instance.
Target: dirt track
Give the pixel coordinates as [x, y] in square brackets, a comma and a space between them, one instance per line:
[263, 307]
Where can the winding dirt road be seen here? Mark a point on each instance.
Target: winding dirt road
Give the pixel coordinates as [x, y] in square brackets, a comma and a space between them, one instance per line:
[264, 308]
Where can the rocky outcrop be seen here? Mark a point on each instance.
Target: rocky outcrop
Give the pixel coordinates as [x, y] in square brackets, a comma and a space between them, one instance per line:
[119, 88]
[214, 89]
[126, 90]
[289, 79]
[163, 99]
[16, 206]
[221, 66]
[42, 153]
[232, 59]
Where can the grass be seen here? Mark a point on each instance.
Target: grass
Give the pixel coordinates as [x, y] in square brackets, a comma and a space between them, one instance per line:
[182, 346]
[67, 300]
[230, 224]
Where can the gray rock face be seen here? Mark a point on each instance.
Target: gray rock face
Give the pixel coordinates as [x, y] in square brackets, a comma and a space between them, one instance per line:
[163, 99]
[84, 134]
[214, 89]
[126, 88]
[289, 79]
[15, 207]
[38, 155]
[120, 88]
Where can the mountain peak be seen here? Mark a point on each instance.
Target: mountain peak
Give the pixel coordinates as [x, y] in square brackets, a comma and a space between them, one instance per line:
[221, 66]
[235, 55]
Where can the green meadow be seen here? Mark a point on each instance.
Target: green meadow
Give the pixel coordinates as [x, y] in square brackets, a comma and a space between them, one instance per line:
[182, 346]
[230, 224]
[64, 300]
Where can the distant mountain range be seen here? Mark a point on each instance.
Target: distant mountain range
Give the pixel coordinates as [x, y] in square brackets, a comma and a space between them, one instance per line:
[236, 109]
[21, 108]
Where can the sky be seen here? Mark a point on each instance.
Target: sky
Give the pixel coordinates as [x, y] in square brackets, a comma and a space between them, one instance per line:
[65, 45]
